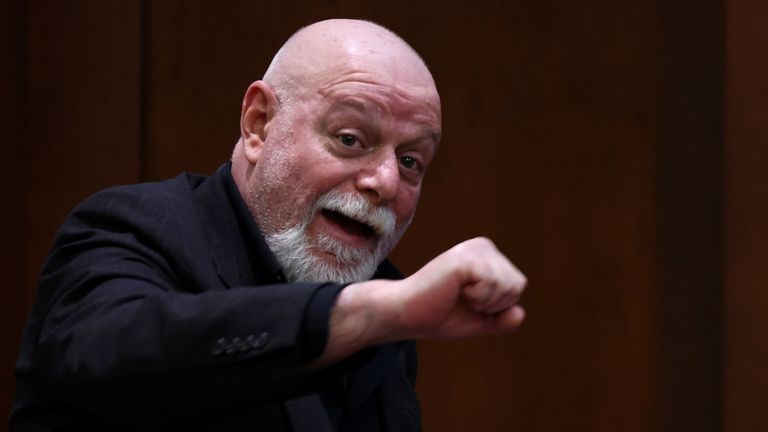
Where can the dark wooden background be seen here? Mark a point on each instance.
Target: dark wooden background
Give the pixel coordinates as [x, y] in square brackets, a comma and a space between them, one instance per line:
[616, 150]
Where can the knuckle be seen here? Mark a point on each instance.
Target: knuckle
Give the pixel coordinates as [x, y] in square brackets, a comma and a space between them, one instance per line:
[475, 244]
[483, 242]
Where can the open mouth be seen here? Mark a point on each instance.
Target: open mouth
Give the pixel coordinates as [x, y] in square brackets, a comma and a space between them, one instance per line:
[349, 225]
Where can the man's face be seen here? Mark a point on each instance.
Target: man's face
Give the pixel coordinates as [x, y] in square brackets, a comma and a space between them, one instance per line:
[356, 135]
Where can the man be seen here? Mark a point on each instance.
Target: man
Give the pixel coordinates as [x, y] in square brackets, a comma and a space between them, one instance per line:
[259, 298]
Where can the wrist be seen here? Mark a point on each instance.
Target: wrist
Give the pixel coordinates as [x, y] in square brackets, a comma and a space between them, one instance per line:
[364, 312]
[361, 317]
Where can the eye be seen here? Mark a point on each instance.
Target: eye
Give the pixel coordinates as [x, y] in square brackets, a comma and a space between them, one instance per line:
[408, 162]
[348, 140]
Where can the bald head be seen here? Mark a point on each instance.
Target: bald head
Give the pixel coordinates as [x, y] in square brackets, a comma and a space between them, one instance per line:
[342, 48]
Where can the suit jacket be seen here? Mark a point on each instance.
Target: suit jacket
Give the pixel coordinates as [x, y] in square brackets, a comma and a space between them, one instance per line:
[158, 309]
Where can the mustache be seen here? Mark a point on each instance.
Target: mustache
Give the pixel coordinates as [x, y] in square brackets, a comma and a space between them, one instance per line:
[354, 206]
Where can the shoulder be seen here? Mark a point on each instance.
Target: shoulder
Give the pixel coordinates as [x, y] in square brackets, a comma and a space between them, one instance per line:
[158, 204]
[142, 196]
[148, 218]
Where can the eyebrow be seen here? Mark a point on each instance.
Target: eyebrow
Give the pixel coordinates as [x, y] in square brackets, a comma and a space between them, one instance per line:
[369, 106]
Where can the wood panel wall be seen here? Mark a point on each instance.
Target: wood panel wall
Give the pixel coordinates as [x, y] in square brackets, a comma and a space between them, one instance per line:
[614, 150]
[746, 217]
[16, 294]
[689, 210]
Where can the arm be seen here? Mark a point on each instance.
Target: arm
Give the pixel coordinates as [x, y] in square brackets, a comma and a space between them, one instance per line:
[469, 290]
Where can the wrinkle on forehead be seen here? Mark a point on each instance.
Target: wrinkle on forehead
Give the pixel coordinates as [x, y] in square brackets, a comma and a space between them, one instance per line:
[417, 104]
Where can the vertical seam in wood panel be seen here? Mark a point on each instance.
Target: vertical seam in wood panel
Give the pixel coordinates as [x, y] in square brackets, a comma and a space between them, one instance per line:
[22, 56]
[143, 89]
[691, 191]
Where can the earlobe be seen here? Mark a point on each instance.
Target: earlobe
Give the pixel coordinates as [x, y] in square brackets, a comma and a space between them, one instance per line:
[259, 106]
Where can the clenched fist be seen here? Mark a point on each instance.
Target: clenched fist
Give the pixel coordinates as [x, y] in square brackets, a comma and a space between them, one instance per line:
[469, 290]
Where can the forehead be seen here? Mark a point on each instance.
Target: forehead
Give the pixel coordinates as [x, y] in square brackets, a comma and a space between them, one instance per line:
[377, 94]
[416, 104]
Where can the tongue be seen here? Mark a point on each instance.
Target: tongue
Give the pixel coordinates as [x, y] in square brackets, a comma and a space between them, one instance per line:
[351, 226]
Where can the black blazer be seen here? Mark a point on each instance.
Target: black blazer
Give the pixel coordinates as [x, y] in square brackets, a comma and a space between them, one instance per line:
[159, 308]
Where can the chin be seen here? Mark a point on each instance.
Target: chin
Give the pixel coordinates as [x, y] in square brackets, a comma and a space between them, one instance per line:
[341, 263]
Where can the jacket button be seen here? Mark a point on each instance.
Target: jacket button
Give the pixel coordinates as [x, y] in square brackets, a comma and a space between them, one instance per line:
[247, 344]
[219, 347]
[237, 344]
[261, 341]
[232, 346]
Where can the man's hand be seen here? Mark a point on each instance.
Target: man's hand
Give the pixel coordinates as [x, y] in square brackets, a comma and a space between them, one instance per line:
[469, 290]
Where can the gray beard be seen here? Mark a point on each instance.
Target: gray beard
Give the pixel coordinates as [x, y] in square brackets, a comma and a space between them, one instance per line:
[301, 257]
[293, 250]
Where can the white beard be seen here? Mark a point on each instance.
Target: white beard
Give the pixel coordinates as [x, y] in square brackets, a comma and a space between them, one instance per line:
[298, 256]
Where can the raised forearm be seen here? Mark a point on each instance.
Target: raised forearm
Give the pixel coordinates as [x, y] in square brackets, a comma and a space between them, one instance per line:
[469, 290]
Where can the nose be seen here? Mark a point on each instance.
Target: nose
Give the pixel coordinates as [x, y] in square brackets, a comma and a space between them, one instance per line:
[380, 177]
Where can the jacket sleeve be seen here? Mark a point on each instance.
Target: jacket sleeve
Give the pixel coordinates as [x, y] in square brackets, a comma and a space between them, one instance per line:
[120, 331]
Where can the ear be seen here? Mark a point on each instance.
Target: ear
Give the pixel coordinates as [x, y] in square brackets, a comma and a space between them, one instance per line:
[259, 107]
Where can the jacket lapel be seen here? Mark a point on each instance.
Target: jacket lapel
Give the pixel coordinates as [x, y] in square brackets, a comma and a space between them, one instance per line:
[237, 249]
[363, 381]
[307, 414]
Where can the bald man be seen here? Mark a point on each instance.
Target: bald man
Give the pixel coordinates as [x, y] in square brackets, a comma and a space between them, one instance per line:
[260, 298]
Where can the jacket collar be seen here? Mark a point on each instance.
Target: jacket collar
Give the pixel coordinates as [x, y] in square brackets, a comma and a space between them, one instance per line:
[239, 251]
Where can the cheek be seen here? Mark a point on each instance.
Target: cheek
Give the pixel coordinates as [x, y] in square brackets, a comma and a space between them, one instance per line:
[322, 172]
[406, 203]
[279, 190]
